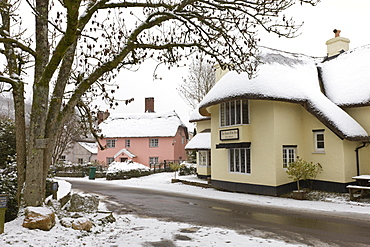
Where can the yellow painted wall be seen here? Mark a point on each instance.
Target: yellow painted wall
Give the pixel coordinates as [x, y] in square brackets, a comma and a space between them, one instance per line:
[362, 116]
[274, 124]
[202, 125]
[203, 170]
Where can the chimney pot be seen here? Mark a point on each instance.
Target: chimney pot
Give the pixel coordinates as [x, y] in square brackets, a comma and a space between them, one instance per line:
[337, 45]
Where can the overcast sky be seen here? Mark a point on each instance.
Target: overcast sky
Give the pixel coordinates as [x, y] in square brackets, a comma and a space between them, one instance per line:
[350, 16]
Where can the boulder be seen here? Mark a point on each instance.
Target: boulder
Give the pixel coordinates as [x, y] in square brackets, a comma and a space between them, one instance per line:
[39, 218]
[82, 224]
[84, 203]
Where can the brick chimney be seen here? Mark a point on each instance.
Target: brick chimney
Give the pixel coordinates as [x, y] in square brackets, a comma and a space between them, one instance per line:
[102, 116]
[337, 45]
[149, 104]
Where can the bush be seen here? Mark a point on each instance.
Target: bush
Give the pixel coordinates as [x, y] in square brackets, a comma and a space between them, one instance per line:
[7, 142]
[187, 169]
[126, 170]
[8, 186]
[302, 170]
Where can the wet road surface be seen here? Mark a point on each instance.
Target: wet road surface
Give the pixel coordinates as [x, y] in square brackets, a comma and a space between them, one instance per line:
[316, 229]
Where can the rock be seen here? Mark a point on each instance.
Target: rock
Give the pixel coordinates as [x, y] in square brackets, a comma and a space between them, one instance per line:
[84, 203]
[103, 218]
[82, 224]
[39, 218]
[66, 222]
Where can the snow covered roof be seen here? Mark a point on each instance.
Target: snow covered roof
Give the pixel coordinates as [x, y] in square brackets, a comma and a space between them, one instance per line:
[286, 77]
[200, 141]
[347, 77]
[195, 116]
[92, 147]
[141, 125]
[125, 151]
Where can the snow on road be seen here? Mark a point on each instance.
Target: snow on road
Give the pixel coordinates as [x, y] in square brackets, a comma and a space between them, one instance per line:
[130, 230]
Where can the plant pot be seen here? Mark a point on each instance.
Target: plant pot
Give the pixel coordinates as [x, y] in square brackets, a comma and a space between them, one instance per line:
[299, 194]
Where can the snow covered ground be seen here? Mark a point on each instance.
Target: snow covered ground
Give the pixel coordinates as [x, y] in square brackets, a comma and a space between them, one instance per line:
[130, 230]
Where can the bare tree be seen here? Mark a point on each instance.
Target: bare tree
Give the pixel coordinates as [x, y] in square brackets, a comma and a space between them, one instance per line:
[79, 47]
[201, 79]
[72, 131]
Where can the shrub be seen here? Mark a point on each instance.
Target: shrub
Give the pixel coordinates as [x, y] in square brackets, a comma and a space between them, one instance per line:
[8, 186]
[302, 170]
[187, 169]
[126, 170]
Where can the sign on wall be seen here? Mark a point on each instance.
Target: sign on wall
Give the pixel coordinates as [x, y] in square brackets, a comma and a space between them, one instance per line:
[230, 134]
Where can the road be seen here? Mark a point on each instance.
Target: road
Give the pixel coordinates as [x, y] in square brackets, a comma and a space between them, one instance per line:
[316, 229]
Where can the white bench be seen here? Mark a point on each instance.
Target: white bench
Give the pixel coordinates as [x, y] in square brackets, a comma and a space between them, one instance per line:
[355, 188]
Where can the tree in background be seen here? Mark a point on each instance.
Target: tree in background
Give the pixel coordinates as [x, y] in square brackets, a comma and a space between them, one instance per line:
[7, 141]
[77, 48]
[201, 79]
[8, 169]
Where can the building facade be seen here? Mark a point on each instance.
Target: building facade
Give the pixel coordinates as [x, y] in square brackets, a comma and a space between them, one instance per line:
[317, 109]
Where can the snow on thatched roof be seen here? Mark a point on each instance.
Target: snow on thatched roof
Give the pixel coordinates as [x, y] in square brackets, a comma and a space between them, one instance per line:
[347, 77]
[195, 116]
[200, 141]
[141, 125]
[286, 77]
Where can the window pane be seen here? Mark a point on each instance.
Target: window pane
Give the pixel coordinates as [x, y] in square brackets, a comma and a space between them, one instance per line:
[227, 113]
[285, 158]
[231, 160]
[232, 113]
[237, 160]
[222, 110]
[237, 112]
[320, 137]
[242, 160]
[245, 109]
[248, 160]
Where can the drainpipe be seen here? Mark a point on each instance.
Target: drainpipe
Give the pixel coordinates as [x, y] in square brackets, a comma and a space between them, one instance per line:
[358, 159]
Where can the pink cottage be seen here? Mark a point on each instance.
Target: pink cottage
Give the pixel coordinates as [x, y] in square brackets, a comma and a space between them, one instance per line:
[148, 138]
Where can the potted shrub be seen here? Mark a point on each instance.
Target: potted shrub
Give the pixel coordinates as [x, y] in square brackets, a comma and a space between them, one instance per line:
[302, 170]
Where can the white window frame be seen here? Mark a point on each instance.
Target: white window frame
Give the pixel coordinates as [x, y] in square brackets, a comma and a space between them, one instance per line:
[153, 160]
[318, 141]
[127, 143]
[289, 155]
[235, 160]
[204, 158]
[153, 142]
[111, 143]
[110, 160]
[234, 113]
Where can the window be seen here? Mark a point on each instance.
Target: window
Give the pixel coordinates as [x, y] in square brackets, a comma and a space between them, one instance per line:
[240, 160]
[153, 142]
[319, 141]
[127, 143]
[153, 160]
[111, 143]
[289, 155]
[234, 113]
[204, 158]
[62, 158]
[110, 160]
[80, 160]
[123, 159]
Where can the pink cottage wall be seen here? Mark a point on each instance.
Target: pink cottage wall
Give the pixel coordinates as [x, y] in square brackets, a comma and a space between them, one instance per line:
[169, 148]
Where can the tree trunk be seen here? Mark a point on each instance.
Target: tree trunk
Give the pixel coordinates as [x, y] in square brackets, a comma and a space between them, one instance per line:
[35, 179]
[20, 132]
